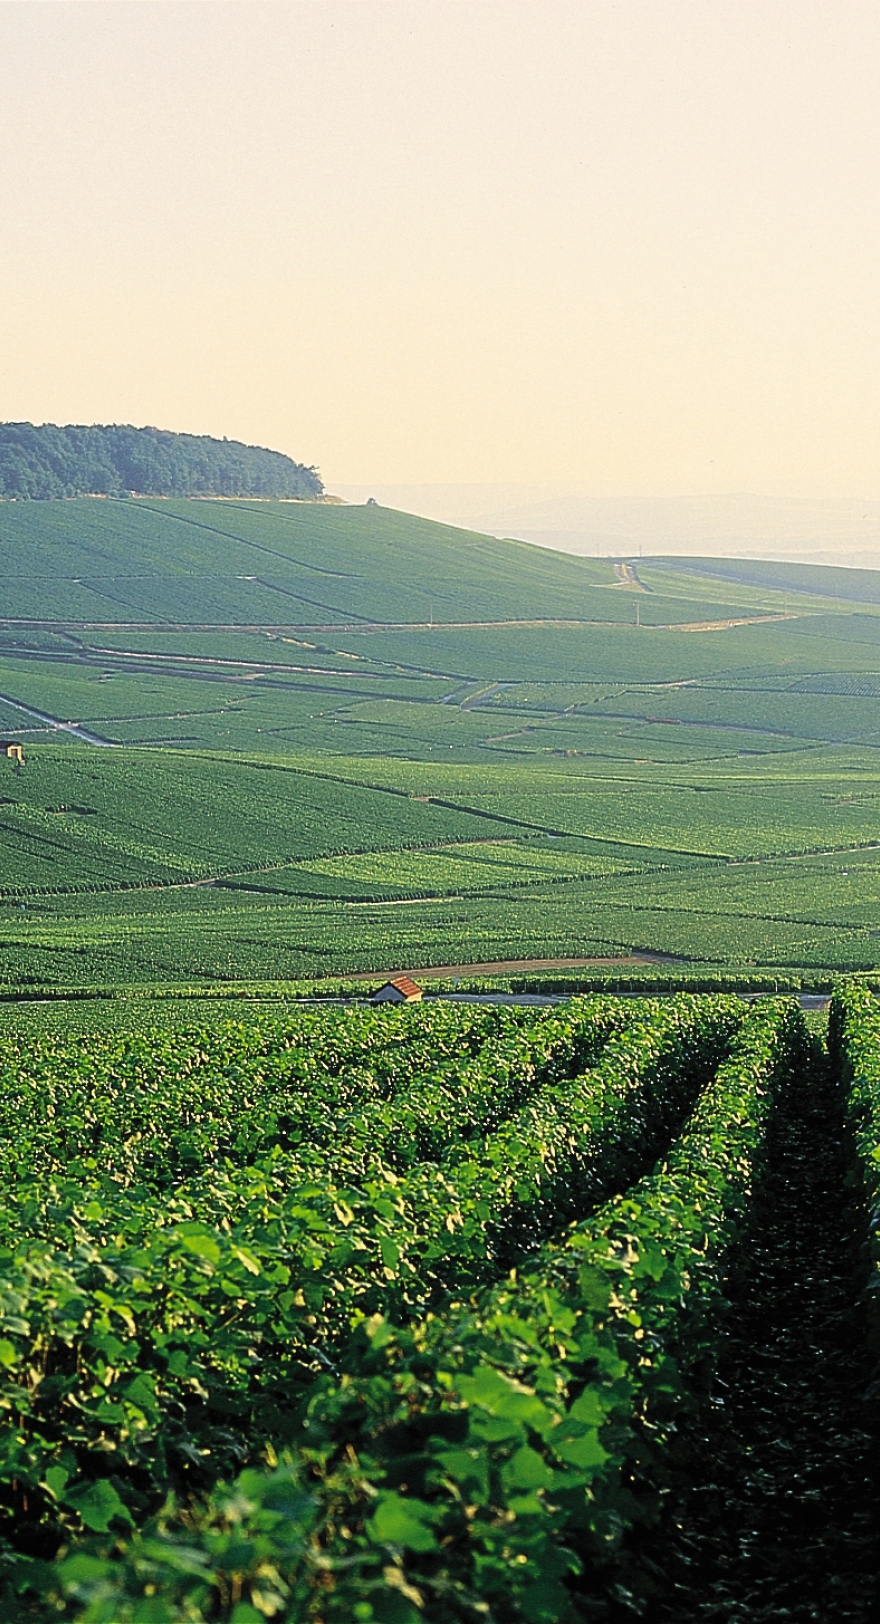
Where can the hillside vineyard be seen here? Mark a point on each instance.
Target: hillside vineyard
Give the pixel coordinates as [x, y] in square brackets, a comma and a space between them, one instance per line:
[270, 741]
[471, 1311]
[407, 1314]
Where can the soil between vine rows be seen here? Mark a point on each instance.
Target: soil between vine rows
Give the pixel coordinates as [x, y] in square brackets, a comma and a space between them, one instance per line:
[780, 1521]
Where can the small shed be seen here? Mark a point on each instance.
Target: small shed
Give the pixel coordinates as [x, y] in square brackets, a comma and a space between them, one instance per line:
[399, 991]
[14, 751]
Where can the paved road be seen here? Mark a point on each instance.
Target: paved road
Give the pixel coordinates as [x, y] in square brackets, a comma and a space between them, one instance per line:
[62, 727]
[807, 1000]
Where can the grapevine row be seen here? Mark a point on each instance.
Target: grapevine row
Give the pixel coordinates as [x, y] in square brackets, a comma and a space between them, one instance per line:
[146, 1346]
[487, 1462]
[155, 1108]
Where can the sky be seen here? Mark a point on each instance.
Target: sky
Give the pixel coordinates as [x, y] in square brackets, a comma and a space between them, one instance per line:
[615, 247]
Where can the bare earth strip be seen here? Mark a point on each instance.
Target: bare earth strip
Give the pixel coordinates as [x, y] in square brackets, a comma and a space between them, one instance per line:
[506, 966]
[370, 627]
[722, 625]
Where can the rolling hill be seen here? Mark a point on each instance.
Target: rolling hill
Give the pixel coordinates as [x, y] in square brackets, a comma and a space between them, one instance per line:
[270, 739]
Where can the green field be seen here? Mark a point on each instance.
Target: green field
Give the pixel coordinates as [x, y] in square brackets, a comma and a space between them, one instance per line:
[328, 1312]
[416, 1316]
[272, 741]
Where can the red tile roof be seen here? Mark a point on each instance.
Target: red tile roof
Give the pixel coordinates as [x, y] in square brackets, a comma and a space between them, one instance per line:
[407, 987]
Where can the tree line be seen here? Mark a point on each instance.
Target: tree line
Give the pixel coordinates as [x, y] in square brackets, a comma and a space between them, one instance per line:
[38, 462]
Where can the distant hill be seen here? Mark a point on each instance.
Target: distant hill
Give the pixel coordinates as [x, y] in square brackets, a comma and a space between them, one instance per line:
[312, 564]
[38, 462]
[283, 564]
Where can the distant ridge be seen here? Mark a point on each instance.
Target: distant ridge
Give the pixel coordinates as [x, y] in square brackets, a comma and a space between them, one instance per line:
[42, 461]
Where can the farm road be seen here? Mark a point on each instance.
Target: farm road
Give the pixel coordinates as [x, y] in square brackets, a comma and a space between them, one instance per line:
[780, 1518]
[807, 1000]
[366, 628]
[73, 728]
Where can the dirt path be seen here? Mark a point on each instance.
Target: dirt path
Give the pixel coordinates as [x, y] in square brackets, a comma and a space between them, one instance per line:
[724, 625]
[501, 967]
[780, 1523]
[368, 628]
[626, 575]
[73, 728]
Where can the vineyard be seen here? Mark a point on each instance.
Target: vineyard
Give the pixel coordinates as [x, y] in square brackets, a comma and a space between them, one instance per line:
[449, 1313]
[134, 867]
[467, 1313]
[290, 741]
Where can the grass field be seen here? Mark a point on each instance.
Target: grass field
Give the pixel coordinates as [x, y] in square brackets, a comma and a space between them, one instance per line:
[339, 739]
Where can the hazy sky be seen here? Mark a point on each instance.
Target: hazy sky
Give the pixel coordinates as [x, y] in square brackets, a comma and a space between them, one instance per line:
[633, 244]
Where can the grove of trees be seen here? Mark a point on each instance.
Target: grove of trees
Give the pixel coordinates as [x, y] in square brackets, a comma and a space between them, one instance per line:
[42, 461]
